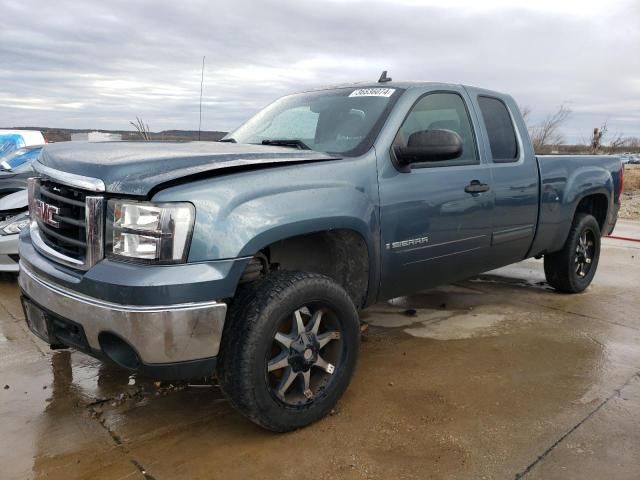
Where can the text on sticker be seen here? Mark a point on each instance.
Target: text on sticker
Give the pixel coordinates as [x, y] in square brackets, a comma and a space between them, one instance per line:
[372, 92]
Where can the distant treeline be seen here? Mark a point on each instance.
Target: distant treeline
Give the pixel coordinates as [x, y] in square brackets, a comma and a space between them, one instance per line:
[64, 134]
[546, 136]
[583, 149]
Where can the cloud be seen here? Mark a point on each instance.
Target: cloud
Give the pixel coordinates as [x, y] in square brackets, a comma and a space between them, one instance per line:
[99, 64]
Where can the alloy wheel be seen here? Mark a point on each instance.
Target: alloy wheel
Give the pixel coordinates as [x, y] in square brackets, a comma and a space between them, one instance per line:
[305, 355]
[585, 251]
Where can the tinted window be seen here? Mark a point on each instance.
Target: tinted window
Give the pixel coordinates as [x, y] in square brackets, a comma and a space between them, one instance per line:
[441, 111]
[502, 136]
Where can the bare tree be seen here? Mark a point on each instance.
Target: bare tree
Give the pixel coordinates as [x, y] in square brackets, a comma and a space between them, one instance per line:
[618, 141]
[595, 143]
[548, 132]
[633, 143]
[142, 128]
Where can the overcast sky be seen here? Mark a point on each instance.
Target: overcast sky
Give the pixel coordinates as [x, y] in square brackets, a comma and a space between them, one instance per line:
[99, 64]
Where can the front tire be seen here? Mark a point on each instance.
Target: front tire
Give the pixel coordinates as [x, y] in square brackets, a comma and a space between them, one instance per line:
[289, 349]
[572, 269]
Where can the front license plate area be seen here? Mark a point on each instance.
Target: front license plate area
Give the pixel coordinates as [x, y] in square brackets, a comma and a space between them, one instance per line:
[36, 319]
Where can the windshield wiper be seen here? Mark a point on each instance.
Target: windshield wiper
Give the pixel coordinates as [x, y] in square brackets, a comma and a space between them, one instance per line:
[228, 140]
[295, 143]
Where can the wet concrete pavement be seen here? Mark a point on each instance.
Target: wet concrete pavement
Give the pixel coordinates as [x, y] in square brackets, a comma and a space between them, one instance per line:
[496, 377]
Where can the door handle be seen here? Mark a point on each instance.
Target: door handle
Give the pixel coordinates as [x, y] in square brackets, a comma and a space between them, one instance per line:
[476, 187]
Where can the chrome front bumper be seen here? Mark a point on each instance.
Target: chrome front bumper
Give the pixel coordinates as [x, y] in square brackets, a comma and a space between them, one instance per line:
[159, 334]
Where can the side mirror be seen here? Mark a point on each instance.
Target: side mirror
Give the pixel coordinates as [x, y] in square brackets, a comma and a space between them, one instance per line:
[430, 146]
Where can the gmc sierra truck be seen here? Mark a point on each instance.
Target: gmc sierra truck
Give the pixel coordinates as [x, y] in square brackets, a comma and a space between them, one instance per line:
[249, 258]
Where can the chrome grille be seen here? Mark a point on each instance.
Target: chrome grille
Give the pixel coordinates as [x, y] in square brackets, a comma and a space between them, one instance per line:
[68, 235]
[67, 223]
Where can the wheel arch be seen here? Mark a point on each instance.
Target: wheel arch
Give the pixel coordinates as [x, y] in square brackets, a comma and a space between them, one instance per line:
[596, 204]
[597, 200]
[589, 189]
[342, 250]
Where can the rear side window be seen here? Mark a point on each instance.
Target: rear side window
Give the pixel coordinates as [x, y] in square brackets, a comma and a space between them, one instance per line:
[502, 136]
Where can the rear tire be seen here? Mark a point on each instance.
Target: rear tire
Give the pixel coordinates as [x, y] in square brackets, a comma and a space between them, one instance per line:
[289, 349]
[572, 269]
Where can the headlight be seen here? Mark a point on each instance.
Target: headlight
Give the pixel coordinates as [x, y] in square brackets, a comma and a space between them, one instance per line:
[14, 224]
[149, 232]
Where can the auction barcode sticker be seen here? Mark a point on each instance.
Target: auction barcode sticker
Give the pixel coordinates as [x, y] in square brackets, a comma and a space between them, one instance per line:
[372, 92]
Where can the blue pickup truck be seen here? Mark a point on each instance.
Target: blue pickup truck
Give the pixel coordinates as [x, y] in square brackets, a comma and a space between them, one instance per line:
[250, 258]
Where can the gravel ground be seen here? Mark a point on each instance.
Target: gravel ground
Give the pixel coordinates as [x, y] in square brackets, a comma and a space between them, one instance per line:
[632, 178]
[630, 208]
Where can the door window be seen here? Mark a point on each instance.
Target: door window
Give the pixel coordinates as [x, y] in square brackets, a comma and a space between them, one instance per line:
[445, 111]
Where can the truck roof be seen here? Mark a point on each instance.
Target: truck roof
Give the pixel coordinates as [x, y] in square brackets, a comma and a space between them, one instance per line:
[407, 85]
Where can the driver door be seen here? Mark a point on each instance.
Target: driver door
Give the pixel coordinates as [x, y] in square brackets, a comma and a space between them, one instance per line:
[435, 228]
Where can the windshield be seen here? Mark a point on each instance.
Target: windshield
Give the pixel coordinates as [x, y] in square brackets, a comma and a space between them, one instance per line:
[19, 157]
[343, 120]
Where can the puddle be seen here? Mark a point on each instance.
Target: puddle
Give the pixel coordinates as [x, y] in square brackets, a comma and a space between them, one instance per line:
[449, 312]
[394, 318]
[513, 281]
[456, 327]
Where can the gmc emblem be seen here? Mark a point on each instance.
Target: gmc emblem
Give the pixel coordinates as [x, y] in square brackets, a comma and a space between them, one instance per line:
[45, 212]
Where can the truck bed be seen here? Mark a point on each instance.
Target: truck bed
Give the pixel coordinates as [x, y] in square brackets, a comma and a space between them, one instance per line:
[564, 181]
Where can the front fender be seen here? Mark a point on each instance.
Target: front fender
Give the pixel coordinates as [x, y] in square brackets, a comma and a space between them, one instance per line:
[243, 228]
[240, 214]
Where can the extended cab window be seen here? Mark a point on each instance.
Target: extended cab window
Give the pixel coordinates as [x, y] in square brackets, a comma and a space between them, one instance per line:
[502, 136]
[441, 111]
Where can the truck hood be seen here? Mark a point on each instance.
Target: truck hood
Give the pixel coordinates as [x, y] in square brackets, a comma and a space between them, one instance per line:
[135, 168]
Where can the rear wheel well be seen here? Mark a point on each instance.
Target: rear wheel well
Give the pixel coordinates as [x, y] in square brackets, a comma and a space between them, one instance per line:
[596, 205]
[339, 254]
